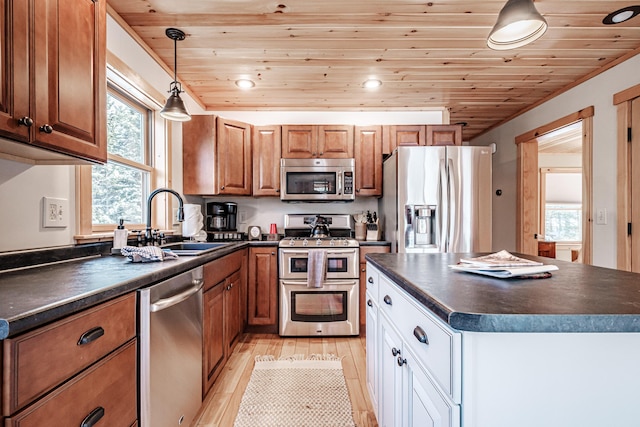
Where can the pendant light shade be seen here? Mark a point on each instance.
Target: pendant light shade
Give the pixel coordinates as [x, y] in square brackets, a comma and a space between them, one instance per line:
[518, 24]
[175, 109]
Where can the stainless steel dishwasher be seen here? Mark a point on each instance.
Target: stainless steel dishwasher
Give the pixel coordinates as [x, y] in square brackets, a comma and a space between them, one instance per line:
[170, 337]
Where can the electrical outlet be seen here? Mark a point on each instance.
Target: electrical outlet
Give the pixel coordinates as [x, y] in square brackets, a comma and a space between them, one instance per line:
[55, 212]
[242, 217]
[175, 217]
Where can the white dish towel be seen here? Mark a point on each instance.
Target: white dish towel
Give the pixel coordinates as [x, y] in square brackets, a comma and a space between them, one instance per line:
[316, 267]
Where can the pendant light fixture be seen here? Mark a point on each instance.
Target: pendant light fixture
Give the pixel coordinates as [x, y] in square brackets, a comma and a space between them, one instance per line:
[518, 24]
[175, 109]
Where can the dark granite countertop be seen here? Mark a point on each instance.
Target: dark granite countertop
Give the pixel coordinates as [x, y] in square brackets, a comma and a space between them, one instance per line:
[31, 297]
[577, 298]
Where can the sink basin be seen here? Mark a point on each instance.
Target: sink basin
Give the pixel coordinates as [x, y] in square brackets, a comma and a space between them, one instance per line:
[192, 248]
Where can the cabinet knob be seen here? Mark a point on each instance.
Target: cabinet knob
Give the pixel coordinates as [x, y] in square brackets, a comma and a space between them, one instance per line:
[395, 351]
[357, 190]
[222, 188]
[370, 279]
[387, 300]
[273, 253]
[420, 335]
[401, 361]
[277, 190]
[369, 303]
[46, 128]
[25, 121]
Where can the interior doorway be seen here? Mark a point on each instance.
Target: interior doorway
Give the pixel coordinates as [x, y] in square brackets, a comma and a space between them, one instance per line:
[537, 150]
[628, 207]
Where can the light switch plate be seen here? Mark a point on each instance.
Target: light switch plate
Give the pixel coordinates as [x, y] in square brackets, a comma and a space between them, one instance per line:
[601, 216]
[55, 212]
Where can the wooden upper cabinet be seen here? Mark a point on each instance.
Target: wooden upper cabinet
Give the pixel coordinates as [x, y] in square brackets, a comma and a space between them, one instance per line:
[322, 141]
[63, 104]
[234, 157]
[216, 156]
[368, 156]
[444, 134]
[335, 142]
[396, 135]
[266, 147]
[14, 69]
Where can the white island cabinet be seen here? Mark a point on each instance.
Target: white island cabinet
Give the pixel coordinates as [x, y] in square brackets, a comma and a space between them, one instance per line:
[427, 374]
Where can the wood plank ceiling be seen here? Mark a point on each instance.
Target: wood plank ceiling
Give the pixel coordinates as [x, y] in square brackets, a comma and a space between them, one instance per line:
[315, 55]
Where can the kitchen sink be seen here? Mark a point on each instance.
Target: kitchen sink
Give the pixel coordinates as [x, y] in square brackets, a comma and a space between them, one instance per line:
[193, 248]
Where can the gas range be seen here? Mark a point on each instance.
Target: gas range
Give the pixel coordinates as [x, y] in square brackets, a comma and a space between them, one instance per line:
[298, 231]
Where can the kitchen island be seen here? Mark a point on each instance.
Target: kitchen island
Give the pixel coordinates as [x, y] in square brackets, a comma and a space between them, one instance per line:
[484, 352]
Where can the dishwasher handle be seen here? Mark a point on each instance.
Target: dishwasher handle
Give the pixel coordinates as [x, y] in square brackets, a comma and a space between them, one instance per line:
[177, 298]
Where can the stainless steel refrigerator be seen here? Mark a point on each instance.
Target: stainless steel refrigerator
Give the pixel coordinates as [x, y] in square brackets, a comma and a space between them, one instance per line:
[437, 199]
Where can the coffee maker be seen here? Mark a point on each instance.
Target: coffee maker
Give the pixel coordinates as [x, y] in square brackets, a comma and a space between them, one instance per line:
[221, 221]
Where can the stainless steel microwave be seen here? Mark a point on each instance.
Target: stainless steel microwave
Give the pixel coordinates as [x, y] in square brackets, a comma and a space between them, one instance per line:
[317, 180]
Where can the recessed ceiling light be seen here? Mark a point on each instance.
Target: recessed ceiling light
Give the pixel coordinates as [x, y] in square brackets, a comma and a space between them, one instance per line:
[245, 83]
[621, 15]
[372, 83]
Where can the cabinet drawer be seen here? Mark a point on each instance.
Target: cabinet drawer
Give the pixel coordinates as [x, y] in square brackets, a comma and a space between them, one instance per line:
[441, 353]
[37, 361]
[108, 388]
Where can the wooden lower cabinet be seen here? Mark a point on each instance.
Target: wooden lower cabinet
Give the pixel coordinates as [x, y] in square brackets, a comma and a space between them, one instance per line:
[262, 288]
[69, 369]
[104, 394]
[213, 320]
[224, 312]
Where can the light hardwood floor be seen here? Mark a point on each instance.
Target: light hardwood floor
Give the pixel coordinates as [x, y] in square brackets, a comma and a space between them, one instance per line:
[222, 402]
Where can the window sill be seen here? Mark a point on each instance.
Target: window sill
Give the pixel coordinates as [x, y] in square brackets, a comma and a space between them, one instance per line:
[106, 237]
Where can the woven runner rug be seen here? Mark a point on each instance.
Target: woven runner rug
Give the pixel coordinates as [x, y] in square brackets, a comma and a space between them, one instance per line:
[296, 392]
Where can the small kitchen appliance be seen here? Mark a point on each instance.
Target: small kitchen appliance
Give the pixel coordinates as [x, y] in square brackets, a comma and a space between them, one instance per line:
[221, 222]
[317, 180]
[332, 308]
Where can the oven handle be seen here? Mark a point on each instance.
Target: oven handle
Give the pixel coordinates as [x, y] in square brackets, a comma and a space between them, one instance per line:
[329, 251]
[303, 283]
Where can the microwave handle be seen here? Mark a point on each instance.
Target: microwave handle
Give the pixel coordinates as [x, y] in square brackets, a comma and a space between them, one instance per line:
[340, 183]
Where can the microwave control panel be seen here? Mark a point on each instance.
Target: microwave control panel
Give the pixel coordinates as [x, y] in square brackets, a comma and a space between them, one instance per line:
[348, 183]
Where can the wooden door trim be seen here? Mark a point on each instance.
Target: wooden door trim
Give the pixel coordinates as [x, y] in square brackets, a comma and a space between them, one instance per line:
[623, 204]
[556, 124]
[527, 208]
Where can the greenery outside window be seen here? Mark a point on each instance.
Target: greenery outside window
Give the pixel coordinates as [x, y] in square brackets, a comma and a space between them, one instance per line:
[563, 222]
[120, 188]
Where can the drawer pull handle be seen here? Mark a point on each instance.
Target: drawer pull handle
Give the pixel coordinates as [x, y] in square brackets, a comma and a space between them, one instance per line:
[369, 303]
[370, 279]
[421, 335]
[401, 361]
[395, 351]
[93, 417]
[91, 335]
[387, 300]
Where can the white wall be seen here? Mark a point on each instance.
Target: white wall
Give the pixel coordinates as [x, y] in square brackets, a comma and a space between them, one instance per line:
[598, 92]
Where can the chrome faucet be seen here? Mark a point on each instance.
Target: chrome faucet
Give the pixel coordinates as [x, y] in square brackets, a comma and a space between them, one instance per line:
[148, 236]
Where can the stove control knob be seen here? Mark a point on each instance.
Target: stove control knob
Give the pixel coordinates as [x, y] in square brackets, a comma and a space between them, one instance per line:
[305, 242]
[332, 242]
[292, 242]
[318, 242]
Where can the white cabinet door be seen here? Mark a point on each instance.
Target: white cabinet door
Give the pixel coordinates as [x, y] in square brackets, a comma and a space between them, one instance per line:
[390, 391]
[424, 405]
[373, 352]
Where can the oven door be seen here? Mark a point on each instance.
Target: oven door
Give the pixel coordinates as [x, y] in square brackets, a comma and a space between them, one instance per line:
[341, 263]
[329, 310]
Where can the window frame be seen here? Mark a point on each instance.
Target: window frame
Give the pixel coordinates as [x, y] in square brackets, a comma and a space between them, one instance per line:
[128, 84]
[543, 204]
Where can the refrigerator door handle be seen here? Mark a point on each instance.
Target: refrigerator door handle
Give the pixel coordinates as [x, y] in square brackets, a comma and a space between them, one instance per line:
[454, 220]
[442, 215]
